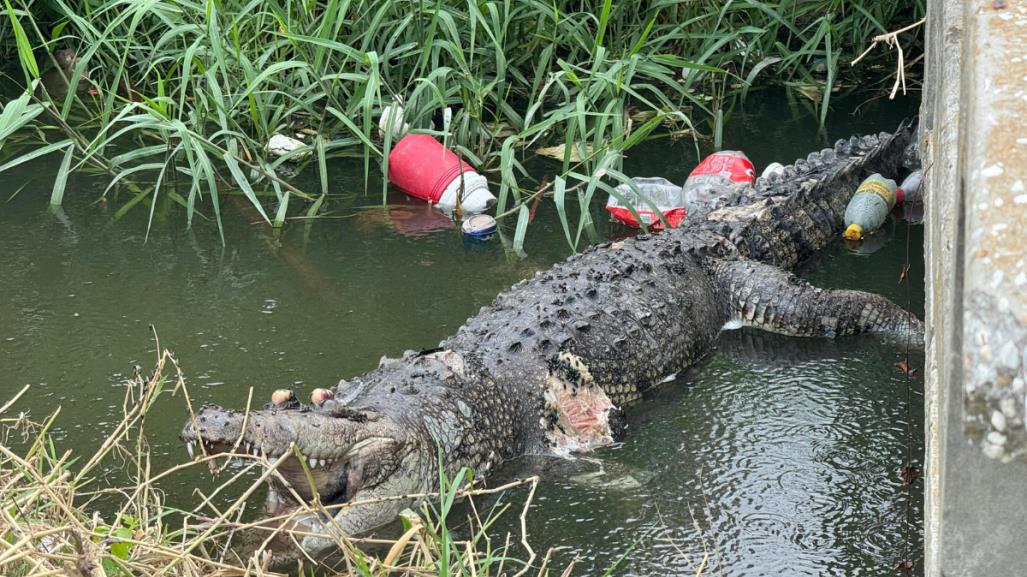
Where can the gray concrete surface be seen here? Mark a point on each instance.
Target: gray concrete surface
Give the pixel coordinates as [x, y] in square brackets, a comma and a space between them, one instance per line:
[974, 146]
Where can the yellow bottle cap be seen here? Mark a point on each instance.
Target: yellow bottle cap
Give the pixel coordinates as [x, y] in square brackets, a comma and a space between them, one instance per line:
[853, 232]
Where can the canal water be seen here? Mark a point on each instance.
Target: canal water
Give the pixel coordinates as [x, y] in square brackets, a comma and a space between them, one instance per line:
[776, 456]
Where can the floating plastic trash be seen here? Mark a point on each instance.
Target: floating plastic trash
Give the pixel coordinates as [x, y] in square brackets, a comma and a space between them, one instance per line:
[280, 145]
[423, 168]
[667, 196]
[392, 120]
[717, 174]
[714, 177]
[479, 226]
[772, 168]
[909, 190]
[870, 244]
[869, 207]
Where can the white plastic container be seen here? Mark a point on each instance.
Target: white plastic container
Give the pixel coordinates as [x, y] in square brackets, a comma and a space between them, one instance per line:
[392, 120]
[476, 194]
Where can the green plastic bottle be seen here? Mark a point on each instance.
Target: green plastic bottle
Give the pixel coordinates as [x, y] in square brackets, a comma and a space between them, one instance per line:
[869, 207]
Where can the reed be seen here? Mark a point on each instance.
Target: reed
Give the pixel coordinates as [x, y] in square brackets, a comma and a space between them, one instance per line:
[189, 91]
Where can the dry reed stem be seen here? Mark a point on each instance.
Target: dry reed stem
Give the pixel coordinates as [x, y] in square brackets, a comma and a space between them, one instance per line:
[892, 39]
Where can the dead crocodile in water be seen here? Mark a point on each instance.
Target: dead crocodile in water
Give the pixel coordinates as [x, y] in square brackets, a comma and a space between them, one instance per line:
[549, 364]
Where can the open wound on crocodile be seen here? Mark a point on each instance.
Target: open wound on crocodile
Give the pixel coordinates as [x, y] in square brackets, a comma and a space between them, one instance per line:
[577, 411]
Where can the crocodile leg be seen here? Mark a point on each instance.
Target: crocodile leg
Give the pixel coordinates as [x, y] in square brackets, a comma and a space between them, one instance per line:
[767, 297]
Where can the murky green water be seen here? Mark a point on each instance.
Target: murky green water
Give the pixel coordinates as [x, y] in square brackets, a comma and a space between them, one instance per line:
[780, 455]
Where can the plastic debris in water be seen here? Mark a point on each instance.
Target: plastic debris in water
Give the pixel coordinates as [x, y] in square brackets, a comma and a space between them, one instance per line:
[480, 226]
[421, 167]
[391, 121]
[281, 145]
[664, 194]
[716, 176]
[772, 168]
[869, 207]
[909, 190]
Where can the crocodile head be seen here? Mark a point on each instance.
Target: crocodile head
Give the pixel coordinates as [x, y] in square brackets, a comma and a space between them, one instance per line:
[340, 456]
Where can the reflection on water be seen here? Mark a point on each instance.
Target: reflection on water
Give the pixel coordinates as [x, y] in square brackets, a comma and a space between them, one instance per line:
[778, 455]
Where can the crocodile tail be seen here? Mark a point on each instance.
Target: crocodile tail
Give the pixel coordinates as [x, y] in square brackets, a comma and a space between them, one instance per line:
[764, 296]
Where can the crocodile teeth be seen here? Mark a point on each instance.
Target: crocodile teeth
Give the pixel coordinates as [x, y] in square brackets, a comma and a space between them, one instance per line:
[189, 448]
[313, 463]
[254, 452]
[321, 462]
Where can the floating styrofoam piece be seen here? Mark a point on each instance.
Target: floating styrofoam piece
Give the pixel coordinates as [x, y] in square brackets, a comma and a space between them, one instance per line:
[280, 145]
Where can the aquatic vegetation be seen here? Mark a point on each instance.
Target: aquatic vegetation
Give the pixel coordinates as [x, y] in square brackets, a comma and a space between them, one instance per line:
[104, 514]
[189, 92]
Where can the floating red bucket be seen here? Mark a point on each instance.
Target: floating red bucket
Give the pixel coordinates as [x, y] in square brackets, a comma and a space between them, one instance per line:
[423, 168]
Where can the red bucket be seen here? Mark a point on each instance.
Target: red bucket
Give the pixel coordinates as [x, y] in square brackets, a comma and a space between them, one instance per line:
[421, 167]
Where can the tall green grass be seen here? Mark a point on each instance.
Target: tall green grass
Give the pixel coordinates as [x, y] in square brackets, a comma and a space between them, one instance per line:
[189, 91]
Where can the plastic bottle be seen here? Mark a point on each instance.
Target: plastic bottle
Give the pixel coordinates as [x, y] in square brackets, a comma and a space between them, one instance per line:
[909, 190]
[423, 168]
[869, 207]
[666, 195]
[714, 176]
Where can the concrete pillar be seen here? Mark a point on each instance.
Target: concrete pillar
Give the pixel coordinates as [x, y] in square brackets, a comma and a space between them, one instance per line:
[974, 148]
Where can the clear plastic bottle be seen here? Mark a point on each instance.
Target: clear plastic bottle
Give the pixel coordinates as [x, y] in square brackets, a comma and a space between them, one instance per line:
[714, 177]
[909, 190]
[663, 193]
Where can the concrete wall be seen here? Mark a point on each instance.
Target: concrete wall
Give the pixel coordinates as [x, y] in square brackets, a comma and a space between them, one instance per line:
[974, 148]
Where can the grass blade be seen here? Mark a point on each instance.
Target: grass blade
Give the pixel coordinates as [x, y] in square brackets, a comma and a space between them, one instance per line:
[519, 232]
[57, 196]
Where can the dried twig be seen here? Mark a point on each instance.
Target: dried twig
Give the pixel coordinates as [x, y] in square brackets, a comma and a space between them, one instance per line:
[892, 39]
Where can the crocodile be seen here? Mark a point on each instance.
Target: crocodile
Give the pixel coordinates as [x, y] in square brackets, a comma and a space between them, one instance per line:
[551, 363]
